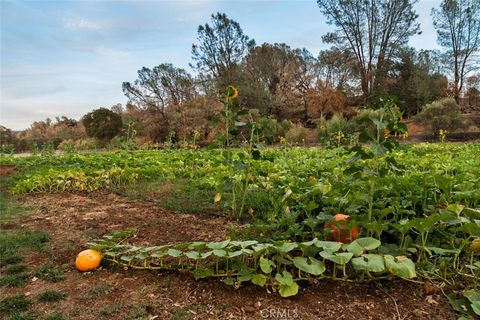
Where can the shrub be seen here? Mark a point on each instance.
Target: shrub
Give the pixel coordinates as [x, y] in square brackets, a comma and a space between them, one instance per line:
[85, 144]
[359, 123]
[335, 131]
[441, 114]
[325, 128]
[270, 128]
[67, 145]
[102, 124]
[296, 134]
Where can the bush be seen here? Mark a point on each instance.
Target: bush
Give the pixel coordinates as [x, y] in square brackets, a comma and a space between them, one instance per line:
[296, 134]
[85, 144]
[326, 128]
[441, 114]
[67, 145]
[270, 129]
[359, 122]
[102, 124]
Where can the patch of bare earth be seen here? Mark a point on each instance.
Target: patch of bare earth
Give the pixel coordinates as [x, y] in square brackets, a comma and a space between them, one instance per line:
[5, 171]
[74, 219]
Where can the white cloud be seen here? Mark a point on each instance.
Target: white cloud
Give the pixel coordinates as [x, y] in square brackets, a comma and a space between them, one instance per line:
[112, 53]
[81, 23]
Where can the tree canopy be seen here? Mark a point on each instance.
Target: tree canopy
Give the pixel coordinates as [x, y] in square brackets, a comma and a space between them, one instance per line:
[372, 30]
[458, 30]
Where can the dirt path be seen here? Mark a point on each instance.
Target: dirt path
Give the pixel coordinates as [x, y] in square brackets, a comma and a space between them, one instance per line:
[74, 219]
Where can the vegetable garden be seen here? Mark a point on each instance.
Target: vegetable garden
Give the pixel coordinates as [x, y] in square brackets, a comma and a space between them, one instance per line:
[416, 208]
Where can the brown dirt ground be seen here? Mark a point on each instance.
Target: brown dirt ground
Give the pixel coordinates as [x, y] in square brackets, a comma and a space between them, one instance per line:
[73, 219]
[6, 170]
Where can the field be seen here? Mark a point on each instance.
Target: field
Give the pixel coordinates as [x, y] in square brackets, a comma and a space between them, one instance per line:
[243, 233]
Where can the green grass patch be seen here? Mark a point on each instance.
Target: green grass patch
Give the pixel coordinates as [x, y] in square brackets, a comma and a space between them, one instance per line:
[8, 209]
[51, 296]
[50, 273]
[97, 291]
[12, 241]
[15, 241]
[109, 310]
[56, 315]
[15, 269]
[13, 280]
[10, 258]
[179, 195]
[14, 304]
[22, 316]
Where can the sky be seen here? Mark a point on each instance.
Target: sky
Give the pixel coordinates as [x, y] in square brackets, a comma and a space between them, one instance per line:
[70, 57]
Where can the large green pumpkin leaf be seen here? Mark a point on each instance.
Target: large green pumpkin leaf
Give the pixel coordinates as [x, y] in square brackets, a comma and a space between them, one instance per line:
[261, 247]
[193, 255]
[218, 245]
[338, 258]
[235, 253]
[369, 262]
[474, 297]
[266, 265]
[288, 287]
[244, 275]
[330, 246]
[400, 266]
[312, 265]
[220, 253]
[361, 245]
[174, 253]
[259, 279]
[286, 247]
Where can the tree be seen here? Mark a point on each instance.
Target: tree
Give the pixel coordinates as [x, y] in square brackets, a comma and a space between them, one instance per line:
[102, 124]
[275, 80]
[220, 48]
[473, 90]
[458, 29]
[157, 89]
[336, 68]
[7, 137]
[416, 80]
[325, 101]
[373, 30]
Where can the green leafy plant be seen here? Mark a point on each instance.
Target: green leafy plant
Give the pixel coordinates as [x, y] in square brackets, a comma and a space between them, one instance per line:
[279, 265]
[229, 118]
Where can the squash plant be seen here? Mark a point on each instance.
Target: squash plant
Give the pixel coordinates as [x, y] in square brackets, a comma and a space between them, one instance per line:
[280, 265]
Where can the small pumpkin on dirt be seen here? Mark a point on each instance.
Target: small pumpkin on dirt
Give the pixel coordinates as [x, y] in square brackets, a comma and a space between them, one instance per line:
[88, 260]
[341, 232]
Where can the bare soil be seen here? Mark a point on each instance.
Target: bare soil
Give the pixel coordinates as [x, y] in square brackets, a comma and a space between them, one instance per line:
[6, 170]
[73, 219]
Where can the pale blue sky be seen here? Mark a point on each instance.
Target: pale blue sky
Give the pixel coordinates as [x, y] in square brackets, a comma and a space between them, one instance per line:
[69, 57]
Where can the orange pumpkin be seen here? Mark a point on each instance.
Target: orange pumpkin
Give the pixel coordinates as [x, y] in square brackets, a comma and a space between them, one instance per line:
[88, 260]
[341, 232]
